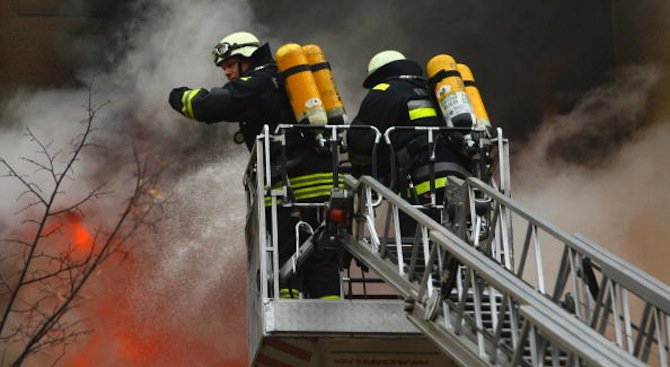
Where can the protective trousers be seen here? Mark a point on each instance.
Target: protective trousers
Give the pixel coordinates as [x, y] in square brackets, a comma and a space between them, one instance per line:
[311, 182]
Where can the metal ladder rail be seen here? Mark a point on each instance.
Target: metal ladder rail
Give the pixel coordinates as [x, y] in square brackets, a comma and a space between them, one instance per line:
[256, 236]
[438, 136]
[607, 291]
[483, 147]
[257, 183]
[469, 345]
[490, 230]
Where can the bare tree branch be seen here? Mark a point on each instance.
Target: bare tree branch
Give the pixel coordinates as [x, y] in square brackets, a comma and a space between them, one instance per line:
[40, 166]
[47, 285]
[28, 185]
[15, 240]
[95, 193]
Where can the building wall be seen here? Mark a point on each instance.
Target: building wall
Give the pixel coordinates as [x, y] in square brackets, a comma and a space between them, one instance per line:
[36, 47]
[642, 35]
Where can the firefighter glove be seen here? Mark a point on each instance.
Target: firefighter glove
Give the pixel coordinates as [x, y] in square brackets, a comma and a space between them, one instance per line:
[176, 98]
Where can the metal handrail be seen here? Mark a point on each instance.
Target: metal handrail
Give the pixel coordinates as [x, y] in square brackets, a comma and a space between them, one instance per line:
[258, 181]
[612, 296]
[623, 272]
[482, 269]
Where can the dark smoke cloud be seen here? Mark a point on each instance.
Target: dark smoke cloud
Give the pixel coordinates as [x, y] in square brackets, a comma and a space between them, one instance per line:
[529, 57]
[594, 130]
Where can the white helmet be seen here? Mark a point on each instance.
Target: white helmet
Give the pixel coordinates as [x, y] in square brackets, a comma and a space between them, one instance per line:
[383, 58]
[238, 43]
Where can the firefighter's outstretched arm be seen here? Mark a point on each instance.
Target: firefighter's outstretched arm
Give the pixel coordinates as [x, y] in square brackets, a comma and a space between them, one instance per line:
[202, 105]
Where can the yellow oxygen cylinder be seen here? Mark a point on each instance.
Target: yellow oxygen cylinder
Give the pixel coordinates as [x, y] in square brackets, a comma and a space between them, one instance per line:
[300, 85]
[325, 82]
[450, 91]
[483, 122]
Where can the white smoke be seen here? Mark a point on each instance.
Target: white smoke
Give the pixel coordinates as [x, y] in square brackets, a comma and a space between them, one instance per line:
[193, 269]
[600, 170]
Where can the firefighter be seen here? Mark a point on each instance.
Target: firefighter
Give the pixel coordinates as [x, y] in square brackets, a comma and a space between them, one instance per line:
[400, 96]
[253, 97]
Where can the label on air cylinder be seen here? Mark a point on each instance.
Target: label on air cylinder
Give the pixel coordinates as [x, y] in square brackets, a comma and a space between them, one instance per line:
[456, 104]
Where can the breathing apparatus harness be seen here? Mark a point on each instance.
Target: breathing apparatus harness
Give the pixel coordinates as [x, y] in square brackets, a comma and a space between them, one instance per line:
[417, 157]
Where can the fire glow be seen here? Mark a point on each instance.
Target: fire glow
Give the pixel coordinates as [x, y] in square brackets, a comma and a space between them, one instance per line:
[81, 237]
[134, 324]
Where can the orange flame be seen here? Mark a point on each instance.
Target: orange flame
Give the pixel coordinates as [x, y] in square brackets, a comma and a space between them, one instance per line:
[69, 231]
[78, 233]
[126, 333]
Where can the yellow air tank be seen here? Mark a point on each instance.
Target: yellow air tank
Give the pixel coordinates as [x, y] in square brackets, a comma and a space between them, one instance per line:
[450, 91]
[323, 76]
[483, 121]
[300, 85]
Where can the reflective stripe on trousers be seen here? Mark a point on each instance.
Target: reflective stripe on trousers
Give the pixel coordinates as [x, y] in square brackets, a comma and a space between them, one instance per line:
[308, 186]
[424, 186]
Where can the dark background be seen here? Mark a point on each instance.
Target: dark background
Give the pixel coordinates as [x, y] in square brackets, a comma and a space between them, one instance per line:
[529, 59]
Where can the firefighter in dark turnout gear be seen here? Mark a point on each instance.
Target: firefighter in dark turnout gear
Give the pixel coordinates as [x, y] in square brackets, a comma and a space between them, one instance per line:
[399, 96]
[253, 97]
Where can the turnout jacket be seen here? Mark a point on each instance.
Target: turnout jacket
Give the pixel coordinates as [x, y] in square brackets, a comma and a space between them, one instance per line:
[253, 100]
[398, 96]
[256, 99]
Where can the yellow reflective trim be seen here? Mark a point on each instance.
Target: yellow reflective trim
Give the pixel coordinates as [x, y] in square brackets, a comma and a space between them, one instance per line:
[314, 183]
[381, 86]
[286, 293]
[424, 187]
[305, 193]
[422, 112]
[330, 297]
[186, 100]
[305, 196]
[313, 188]
[245, 78]
[308, 186]
[313, 192]
[268, 201]
[307, 183]
[315, 178]
[184, 109]
[297, 179]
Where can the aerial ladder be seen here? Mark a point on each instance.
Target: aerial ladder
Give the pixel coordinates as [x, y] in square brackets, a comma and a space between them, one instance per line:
[469, 289]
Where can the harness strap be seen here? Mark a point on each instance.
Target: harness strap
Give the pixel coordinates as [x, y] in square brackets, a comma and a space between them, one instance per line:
[443, 74]
[441, 168]
[320, 66]
[294, 70]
